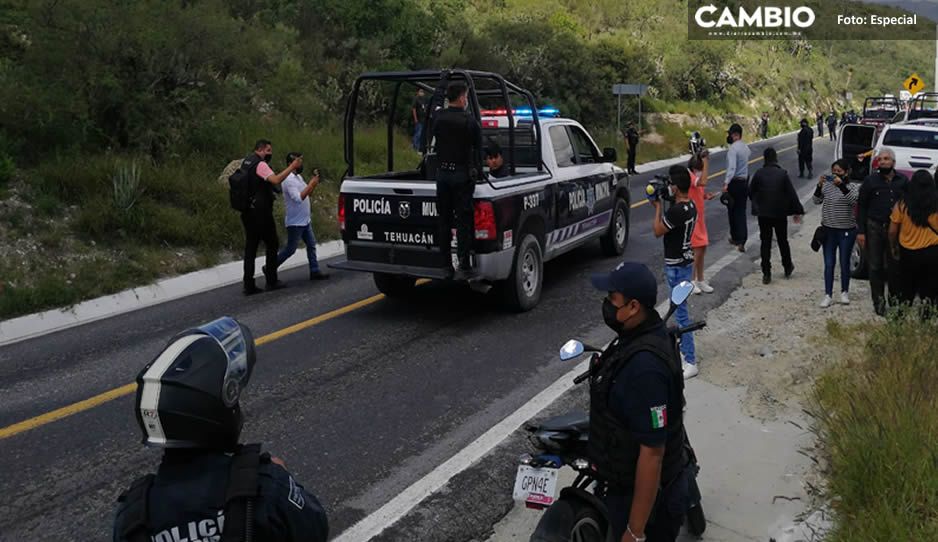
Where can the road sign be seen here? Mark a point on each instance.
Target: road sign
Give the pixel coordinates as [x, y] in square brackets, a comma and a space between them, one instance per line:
[914, 84]
[629, 90]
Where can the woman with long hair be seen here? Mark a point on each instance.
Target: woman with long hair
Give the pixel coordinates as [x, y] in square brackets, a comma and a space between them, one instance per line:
[699, 167]
[913, 238]
[838, 198]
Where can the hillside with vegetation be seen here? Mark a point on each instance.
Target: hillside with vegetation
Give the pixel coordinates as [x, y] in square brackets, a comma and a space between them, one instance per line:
[117, 118]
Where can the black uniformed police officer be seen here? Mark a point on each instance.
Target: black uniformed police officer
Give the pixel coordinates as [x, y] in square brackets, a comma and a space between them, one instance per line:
[458, 147]
[208, 487]
[495, 161]
[636, 422]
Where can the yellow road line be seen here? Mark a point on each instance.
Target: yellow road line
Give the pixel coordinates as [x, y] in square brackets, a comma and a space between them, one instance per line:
[127, 389]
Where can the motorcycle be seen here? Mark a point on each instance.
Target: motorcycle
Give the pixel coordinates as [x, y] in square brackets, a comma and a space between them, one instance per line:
[578, 514]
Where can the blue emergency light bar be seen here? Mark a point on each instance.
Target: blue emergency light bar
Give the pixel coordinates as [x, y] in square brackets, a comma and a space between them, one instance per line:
[522, 112]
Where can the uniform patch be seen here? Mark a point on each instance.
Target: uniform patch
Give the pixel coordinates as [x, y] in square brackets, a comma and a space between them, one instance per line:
[296, 495]
[659, 416]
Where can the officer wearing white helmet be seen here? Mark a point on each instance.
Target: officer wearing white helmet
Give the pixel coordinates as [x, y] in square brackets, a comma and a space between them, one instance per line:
[208, 487]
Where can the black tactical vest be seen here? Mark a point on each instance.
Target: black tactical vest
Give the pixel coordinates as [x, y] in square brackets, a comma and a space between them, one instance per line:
[263, 191]
[612, 448]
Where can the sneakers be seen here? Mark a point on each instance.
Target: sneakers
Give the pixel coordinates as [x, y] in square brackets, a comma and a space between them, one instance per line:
[697, 290]
[826, 302]
[690, 370]
[703, 286]
[844, 298]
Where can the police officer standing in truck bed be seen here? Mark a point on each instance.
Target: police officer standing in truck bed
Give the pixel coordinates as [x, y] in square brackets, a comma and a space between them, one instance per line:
[458, 144]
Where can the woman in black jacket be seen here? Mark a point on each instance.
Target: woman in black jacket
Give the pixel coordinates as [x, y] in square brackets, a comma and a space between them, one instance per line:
[773, 200]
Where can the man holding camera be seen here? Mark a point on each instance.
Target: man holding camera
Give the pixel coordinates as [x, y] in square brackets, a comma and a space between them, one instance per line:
[458, 142]
[677, 227]
[736, 185]
[297, 217]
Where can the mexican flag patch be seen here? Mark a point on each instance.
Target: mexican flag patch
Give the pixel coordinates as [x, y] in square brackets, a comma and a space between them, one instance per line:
[659, 416]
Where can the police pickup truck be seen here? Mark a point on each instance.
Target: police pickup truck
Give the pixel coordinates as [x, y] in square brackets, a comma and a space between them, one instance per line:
[562, 193]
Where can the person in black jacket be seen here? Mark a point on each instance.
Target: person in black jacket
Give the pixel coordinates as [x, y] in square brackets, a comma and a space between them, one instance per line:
[832, 125]
[458, 144]
[879, 193]
[805, 149]
[208, 486]
[632, 138]
[820, 124]
[773, 200]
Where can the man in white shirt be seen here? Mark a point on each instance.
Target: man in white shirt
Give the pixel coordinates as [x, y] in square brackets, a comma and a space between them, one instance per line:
[296, 193]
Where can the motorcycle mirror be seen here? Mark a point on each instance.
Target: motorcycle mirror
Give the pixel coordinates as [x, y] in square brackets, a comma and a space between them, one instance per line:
[572, 349]
[681, 292]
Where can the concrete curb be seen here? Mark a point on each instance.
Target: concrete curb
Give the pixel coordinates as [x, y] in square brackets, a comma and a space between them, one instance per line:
[651, 166]
[36, 325]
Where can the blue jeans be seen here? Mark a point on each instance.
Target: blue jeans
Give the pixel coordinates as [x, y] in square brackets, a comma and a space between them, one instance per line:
[418, 134]
[675, 275]
[294, 234]
[842, 241]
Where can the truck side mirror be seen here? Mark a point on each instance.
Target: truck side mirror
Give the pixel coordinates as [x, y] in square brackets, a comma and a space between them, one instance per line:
[610, 155]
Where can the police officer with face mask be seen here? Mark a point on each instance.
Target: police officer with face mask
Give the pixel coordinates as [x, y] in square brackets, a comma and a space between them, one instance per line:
[208, 487]
[636, 421]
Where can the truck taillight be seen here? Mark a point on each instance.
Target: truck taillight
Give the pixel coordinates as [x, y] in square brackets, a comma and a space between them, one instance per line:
[341, 212]
[485, 220]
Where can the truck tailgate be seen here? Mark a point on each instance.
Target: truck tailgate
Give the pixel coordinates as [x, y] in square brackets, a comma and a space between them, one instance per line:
[394, 224]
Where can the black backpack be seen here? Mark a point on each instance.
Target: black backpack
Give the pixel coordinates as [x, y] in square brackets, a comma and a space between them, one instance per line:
[241, 185]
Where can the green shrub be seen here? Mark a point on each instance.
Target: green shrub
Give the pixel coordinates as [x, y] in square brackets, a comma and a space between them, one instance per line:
[877, 420]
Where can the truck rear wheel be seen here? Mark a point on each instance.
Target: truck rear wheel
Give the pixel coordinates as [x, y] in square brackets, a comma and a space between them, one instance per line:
[394, 285]
[522, 290]
[615, 240]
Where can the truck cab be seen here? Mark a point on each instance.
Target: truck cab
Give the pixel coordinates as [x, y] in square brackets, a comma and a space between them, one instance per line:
[562, 192]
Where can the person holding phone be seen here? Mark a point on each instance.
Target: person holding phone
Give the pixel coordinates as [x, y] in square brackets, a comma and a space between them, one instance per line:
[296, 193]
[837, 198]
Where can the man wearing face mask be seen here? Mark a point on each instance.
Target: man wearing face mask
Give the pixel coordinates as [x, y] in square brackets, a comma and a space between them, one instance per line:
[736, 184]
[878, 195]
[258, 219]
[636, 420]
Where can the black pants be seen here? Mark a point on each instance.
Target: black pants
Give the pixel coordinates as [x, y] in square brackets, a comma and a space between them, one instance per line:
[780, 227]
[454, 204]
[667, 516]
[918, 272]
[884, 270]
[739, 230]
[820, 130]
[631, 164]
[805, 161]
[259, 226]
[831, 131]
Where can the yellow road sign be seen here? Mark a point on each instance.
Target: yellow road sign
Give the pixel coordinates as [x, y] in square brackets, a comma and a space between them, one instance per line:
[914, 83]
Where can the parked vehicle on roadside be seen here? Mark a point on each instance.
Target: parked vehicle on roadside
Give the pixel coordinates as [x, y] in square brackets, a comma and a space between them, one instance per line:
[562, 192]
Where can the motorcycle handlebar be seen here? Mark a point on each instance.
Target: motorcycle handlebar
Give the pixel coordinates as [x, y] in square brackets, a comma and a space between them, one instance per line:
[696, 326]
[582, 377]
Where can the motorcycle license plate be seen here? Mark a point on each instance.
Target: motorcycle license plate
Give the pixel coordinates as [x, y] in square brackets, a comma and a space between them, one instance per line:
[536, 486]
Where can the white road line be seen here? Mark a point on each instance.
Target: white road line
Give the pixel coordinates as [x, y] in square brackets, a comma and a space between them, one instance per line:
[382, 518]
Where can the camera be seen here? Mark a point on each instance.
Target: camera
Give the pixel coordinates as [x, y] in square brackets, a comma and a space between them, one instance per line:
[659, 188]
[696, 143]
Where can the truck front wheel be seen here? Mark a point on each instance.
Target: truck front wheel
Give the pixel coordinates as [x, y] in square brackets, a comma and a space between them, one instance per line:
[394, 285]
[522, 290]
[615, 240]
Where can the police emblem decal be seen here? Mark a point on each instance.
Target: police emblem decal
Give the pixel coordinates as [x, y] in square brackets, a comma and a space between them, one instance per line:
[404, 209]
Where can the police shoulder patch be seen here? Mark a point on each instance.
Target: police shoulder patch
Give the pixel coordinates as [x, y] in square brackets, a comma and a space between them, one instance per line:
[659, 416]
[296, 495]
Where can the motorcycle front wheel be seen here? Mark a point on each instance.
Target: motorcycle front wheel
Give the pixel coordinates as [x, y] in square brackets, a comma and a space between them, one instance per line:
[588, 525]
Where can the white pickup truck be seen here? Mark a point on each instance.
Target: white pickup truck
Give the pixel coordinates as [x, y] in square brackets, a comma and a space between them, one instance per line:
[562, 192]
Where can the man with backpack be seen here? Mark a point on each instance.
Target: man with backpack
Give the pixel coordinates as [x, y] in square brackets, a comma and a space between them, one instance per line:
[252, 194]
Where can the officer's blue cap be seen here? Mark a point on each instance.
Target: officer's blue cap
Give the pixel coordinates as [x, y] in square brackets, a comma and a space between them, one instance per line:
[631, 279]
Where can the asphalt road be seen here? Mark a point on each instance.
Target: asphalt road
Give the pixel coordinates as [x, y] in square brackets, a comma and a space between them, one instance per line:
[360, 404]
